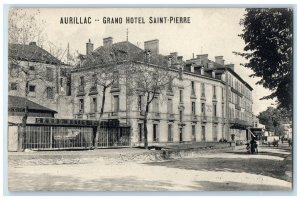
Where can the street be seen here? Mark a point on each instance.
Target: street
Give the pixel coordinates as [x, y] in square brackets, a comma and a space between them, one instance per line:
[270, 170]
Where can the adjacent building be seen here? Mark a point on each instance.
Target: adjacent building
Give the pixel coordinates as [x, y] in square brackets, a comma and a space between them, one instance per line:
[47, 78]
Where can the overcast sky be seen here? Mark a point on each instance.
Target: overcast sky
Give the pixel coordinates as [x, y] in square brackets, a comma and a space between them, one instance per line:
[211, 31]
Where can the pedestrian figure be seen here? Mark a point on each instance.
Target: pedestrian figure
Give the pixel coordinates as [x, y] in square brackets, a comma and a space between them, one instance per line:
[248, 148]
[289, 141]
[282, 140]
[253, 146]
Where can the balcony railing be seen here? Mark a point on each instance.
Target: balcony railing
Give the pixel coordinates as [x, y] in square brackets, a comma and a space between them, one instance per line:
[203, 96]
[238, 107]
[156, 115]
[215, 119]
[194, 118]
[204, 118]
[81, 91]
[171, 117]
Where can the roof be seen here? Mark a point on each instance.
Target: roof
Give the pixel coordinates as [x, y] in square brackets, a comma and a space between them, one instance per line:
[32, 53]
[19, 102]
[119, 52]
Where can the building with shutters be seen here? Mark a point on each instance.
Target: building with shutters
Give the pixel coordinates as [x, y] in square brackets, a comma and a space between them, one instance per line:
[209, 102]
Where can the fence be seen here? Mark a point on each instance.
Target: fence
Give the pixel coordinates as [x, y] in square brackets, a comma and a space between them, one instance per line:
[50, 137]
[113, 137]
[57, 137]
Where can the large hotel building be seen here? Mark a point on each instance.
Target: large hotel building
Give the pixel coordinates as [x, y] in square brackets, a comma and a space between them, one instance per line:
[211, 102]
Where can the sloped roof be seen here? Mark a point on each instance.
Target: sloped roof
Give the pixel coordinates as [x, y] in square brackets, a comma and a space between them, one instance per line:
[119, 52]
[32, 53]
[19, 102]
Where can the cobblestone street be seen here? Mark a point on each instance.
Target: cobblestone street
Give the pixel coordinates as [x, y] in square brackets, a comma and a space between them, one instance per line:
[270, 170]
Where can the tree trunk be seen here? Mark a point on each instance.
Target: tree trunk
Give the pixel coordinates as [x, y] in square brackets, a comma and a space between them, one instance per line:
[100, 118]
[24, 120]
[145, 126]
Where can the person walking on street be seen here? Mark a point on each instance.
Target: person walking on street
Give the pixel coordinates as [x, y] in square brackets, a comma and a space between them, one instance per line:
[253, 146]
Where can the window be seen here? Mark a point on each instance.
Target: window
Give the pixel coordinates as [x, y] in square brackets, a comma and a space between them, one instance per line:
[170, 106]
[180, 135]
[155, 105]
[215, 133]
[193, 87]
[215, 110]
[222, 93]
[32, 88]
[81, 105]
[203, 134]
[14, 86]
[49, 92]
[214, 91]
[94, 105]
[180, 96]
[140, 99]
[202, 89]
[223, 114]
[193, 133]
[116, 103]
[180, 116]
[155, 136]
[81, 81]
[193, 108]
[140, 132]
[170, 137]
[31, 68]
[49, 74]
[203, 108]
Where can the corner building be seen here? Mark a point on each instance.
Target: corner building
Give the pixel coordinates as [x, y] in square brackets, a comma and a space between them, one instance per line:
[209, 101]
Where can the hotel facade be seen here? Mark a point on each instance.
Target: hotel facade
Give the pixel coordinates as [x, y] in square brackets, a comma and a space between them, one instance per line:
[208, 102]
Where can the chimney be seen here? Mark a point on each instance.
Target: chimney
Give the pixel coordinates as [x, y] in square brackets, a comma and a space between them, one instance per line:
[89, 47]
[202, 56]
[174, 57]
[152, 45]
[210, 65]
[219, 59]
[231, 66]
[179, 59]
[32, 43]
[107, 42]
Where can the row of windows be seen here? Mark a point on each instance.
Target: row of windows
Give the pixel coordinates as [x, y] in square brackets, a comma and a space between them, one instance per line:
[203, 90]
[238, 86]
[32, 90]
[155, 133]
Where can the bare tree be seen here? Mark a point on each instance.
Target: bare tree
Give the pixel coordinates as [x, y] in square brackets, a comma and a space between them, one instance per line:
[150, 82]
[27, 59]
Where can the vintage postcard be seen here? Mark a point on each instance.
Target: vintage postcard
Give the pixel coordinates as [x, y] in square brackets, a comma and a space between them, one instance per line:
[150, 99]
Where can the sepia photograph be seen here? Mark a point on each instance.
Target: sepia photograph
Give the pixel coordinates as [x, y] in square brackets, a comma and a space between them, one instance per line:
[150, 99]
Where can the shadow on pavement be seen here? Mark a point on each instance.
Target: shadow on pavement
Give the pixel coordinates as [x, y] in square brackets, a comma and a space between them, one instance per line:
[28, 182]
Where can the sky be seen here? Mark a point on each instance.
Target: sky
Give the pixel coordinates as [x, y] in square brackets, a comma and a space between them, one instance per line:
[212, 31]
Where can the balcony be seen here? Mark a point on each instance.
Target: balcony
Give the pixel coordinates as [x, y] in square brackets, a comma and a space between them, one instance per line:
[91, 115]
[81, 91]
[114, 113]
[193, 95]
[171, 117]
[204, 119]
[239, 124]
[238, 107]
[203, 96]
[156, 116]
[214, 98]
[93, 90]
[194, 118]
[215, 120]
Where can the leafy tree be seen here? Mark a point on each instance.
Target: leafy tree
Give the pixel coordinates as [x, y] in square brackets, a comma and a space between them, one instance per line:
[268, 38]
[273, 118]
